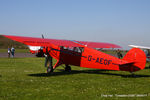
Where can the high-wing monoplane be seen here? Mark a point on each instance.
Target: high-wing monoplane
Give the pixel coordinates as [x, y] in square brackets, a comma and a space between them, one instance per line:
[81, 53]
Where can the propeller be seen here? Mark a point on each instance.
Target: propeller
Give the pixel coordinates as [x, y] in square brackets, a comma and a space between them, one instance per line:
[42, 36]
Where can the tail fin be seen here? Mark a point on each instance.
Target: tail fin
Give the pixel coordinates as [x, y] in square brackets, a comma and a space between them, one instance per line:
[136, 58]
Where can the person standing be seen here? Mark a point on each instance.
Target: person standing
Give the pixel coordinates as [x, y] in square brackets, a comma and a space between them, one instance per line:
[13, 52]
[119, 54]
[9, 51]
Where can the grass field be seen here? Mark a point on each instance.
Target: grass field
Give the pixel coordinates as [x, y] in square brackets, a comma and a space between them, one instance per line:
[25, 79]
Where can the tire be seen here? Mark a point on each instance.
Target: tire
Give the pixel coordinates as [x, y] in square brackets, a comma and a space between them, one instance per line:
[68, 68]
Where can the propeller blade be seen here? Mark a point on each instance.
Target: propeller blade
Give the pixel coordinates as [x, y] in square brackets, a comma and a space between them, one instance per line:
[42, 36]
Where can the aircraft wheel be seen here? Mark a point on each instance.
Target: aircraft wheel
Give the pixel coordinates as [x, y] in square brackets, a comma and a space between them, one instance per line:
[68, 68]
[49, 69]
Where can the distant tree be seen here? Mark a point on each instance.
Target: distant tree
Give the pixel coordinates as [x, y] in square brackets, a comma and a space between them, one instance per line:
[5, 42]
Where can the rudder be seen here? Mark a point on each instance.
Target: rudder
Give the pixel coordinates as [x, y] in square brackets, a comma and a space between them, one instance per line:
[137, 58]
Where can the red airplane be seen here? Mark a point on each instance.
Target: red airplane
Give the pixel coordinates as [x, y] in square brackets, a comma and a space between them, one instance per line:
[81, 53]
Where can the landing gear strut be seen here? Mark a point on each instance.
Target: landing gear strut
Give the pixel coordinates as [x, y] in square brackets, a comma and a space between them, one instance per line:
[68, 68]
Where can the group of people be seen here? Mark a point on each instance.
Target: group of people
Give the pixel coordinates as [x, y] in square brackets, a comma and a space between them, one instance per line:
[11, 52]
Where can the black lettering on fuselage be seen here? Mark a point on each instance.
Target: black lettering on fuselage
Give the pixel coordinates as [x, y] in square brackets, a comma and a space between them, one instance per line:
[100, 60]
[103, 61]
[109, 62]
[97, 60]
[89, 58]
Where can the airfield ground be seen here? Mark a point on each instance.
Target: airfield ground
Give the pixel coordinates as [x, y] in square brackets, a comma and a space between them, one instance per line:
[19, 53]
[26, 79]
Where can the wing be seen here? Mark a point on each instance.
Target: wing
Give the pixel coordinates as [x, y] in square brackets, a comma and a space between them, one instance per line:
[141, 47]
[41, 42]
[67, 43]
[99, 44]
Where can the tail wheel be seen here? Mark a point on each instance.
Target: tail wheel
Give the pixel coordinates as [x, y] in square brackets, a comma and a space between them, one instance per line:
[68, 68]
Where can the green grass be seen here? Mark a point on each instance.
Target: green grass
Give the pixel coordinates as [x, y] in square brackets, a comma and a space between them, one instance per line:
[25, 79]
[16, 50]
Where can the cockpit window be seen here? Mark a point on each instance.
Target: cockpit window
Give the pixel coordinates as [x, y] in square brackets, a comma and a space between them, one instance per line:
[75, 49]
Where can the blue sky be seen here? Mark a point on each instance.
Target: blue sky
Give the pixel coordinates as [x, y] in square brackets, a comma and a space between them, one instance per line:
[121, 22]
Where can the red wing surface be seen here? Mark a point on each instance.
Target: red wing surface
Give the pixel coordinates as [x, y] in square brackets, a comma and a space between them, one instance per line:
[99, 44]
[67, 43]
[42, 42]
